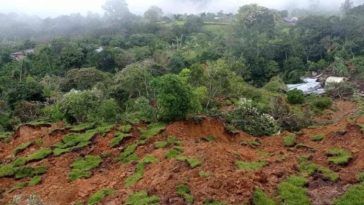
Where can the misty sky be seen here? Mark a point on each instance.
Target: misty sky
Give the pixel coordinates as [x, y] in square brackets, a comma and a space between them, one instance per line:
[53, 8]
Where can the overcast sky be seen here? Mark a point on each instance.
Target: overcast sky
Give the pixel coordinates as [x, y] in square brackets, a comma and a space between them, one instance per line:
[53, 8]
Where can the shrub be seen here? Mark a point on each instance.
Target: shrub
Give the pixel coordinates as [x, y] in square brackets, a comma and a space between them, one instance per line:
[290, 140]
[118, 139]
[249, 119]
[260, 198]
[339, 156]
[107, 111]
[128, 155]
[322, 103]
[97, 197]
[81, 168]
[353, 196]
[250, 166]
[295, 97]
[27, 111]
[53, 113]
[140, 109]
[79, 105]
[340, 90]
[174, 97]
[174, 152]
[276, 84]
[361, 177]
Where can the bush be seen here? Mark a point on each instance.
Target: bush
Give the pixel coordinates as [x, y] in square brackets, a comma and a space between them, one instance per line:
[295, 97]
[108, 111]
[53, 113]
[174, 97]
[340, 90]
[276, 84]
[322, 103]
[249, 119]
[97, 197]
[250, 166]
[292, 191]
[27, 111]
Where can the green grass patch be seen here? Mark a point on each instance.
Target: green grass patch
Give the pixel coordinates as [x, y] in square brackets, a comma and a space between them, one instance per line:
[290, 140]
[339, 156]
[73, 142]
[250, 166]
[81, 168]
[174, 152]
[293, 192]
[151, 131]
[184, 191]
[125, 129]
[191, 161]
[22, 147]
[118, 139]
[128, 155]
[10, 170]
[171, 140]
[308, 168]
[261, 198]
[142, 198]
[97, 197]
[35, 181]
[204, 174]
[317, 138]
[104, 128]
[353, 196]
[139, 171]
[209, 138]
[360, 177]
[83, 127]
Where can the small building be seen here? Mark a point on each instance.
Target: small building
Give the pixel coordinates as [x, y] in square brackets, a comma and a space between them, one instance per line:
[334, 80]
[21, 55]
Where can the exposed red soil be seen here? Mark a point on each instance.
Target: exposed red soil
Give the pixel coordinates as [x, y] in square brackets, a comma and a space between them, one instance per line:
[225, 182]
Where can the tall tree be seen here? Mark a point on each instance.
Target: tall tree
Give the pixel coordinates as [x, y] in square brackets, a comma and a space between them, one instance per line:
[116, 10]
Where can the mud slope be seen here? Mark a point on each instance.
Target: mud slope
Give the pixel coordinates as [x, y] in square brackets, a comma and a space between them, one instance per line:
[206, 141]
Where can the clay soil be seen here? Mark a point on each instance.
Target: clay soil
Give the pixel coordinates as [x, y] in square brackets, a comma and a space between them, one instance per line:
[224, 183]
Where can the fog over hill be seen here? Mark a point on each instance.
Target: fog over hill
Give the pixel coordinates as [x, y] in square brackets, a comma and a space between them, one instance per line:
[46, 8]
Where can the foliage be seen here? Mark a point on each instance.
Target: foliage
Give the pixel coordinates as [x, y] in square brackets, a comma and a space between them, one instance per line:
[151, 131]
[250, 166]
[260, 198]
[97, 197]
[322, 103]
[353, 196]
[295, 97]
[340, 90]
[173, 98]
[339, 156]
[289, 140]
[204, 174]
[142, 198]
[249, 119]
[292, 191]
[81, 168]
[184, 191]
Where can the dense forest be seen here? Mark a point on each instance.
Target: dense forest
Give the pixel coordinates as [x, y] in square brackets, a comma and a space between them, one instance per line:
[123, 67]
